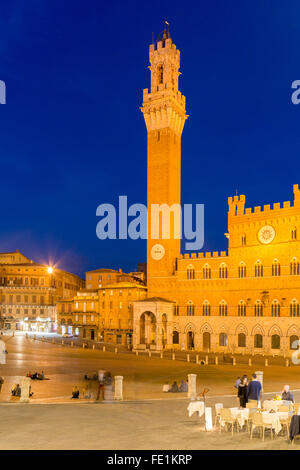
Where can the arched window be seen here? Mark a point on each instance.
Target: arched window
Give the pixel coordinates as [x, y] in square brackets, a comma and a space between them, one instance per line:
[223, 308]
[258, 341]
[275, 308]
[242, 270]
[223, 339]
[243, 240]
[206, 308]
[294, 233]
[175, 337]
[190, 272]
[241, 340]
[294, 308]
[160, 74]
[190, 308]
[294, 267]
[294, 342]
[176, 309]
[206, 272]
[276, 268]
[275, 342]
[258, 309]
[259, 270]
[223, 271]
[241, 309]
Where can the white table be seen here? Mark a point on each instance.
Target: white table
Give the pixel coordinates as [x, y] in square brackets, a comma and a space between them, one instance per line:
[241, 414]
[275, 404]
[273, 419]
[194, 406]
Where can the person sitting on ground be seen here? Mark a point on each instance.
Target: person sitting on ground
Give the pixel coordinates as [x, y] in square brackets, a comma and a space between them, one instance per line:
[183, 386]
[166, 387]
[75, 392]
[86, 392]
[29, 374]
[174, 388]
[16, 390]
[34, 376]
[286, 394]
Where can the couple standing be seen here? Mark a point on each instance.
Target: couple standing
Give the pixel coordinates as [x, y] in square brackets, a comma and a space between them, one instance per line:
[248, 391]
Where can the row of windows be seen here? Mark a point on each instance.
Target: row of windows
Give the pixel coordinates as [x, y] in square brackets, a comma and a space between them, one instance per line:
[34, 282]
[257, 343]
[24, 311]
[31, 299]
[242, 308]
[242, 270]
[293, 236]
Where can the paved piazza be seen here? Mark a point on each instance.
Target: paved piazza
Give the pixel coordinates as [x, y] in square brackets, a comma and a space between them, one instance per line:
[147, 419]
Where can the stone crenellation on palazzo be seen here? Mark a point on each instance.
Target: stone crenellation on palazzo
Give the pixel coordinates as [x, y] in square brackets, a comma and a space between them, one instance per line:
[245, 299]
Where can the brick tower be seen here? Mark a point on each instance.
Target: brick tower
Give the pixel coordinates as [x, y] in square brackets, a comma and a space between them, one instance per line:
[164, 113]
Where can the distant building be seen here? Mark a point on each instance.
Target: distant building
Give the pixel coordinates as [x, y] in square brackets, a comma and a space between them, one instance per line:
[102, 311]
[101, 277]
[29, 292]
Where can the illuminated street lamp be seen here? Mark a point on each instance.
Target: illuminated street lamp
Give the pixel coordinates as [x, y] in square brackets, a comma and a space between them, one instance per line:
[50, 269]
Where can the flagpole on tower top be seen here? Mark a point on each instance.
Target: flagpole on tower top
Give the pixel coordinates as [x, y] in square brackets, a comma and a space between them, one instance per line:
[167, 24]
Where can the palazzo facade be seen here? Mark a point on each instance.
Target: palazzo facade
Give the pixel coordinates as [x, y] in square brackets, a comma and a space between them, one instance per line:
[245, 299]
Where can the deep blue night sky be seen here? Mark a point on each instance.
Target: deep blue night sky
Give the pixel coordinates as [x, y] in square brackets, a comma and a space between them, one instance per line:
[72, 135]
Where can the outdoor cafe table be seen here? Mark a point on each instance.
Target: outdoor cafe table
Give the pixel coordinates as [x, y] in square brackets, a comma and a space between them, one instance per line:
[275, 404]
[273, 419]
[241, 414]
[194, 406]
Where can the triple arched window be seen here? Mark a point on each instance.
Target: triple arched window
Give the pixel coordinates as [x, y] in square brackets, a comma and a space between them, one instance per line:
[190, 272]
[206, 308]
[294, 308]
[258, 309]
[294, 267]
[241, 309]
[223, 272]
[276, 268]
[275, 308]
[206, 271]
[259, 269]
[242, 270]
[190, 308]
[223, 308]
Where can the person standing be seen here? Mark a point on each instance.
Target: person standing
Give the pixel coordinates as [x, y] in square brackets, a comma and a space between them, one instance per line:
[243, 392]
[101, 380]
[254, 389]
[1, 382]
[237, 382]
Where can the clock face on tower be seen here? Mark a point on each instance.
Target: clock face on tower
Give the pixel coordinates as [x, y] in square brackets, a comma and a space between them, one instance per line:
[266, 234]
[157, 252]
